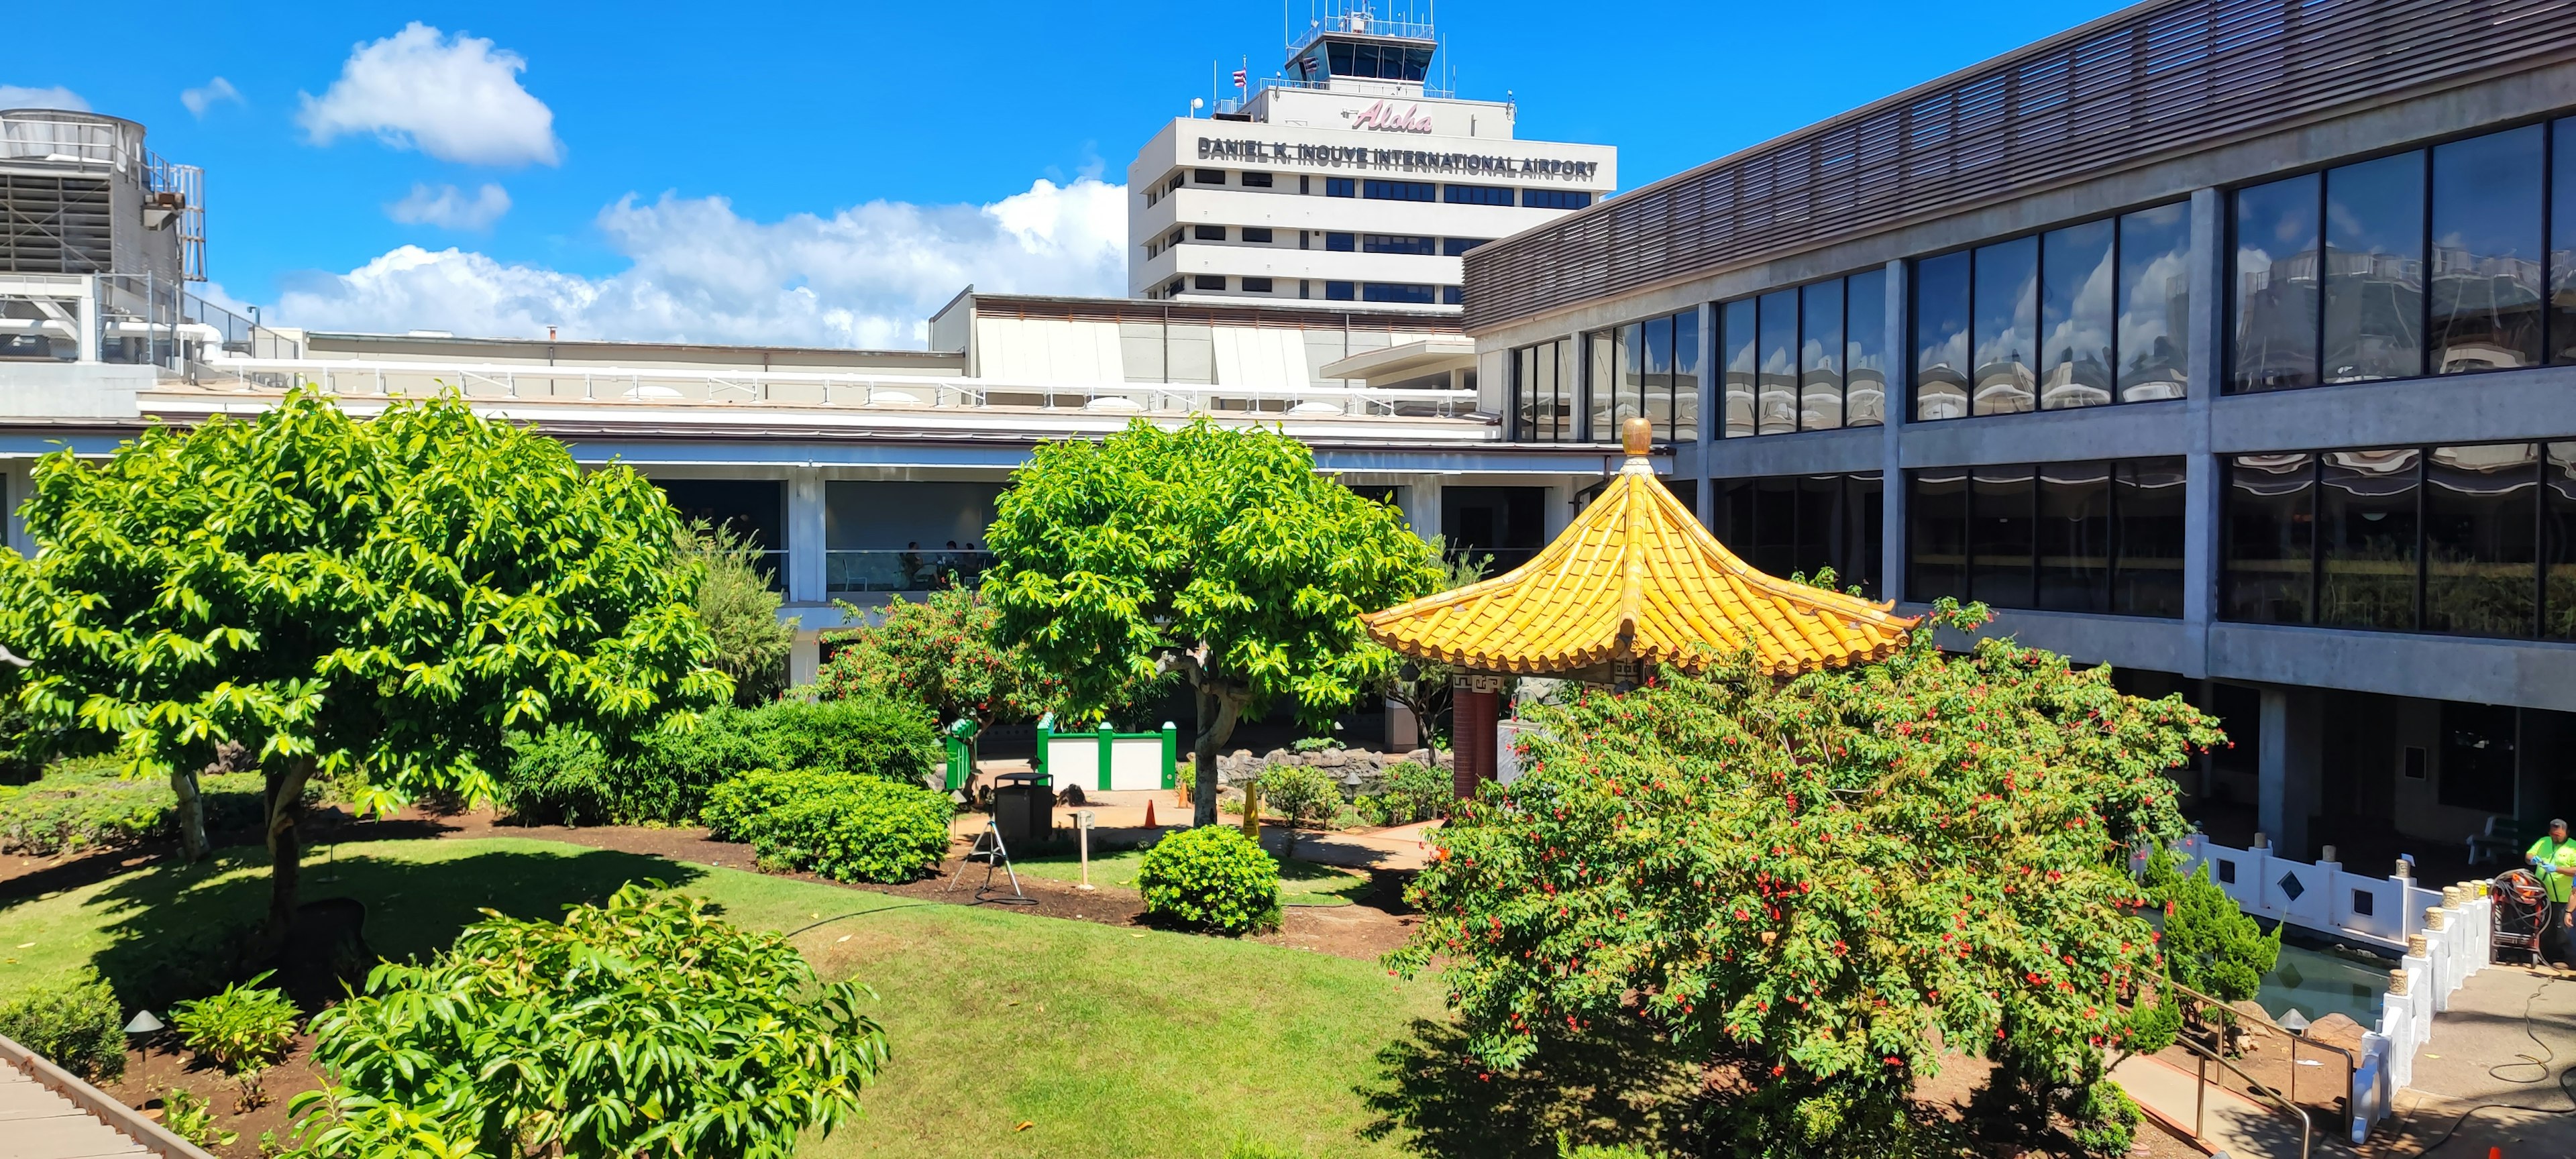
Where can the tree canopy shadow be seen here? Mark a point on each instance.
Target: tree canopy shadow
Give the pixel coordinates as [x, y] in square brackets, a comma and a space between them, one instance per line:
[179, 932]
[1615, 1084]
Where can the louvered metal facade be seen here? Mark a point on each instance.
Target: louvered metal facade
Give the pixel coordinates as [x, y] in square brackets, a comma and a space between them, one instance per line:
[2149, 82]
[55, 224]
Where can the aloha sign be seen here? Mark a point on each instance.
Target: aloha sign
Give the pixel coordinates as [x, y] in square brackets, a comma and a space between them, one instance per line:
[1385, 116]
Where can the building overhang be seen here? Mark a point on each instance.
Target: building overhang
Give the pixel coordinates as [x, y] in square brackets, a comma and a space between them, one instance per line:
[1403, 361]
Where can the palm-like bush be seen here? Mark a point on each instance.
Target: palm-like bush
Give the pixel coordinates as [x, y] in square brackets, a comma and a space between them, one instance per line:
[244, 1029]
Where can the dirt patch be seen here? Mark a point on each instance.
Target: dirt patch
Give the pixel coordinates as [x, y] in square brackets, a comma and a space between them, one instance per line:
[149, 1077]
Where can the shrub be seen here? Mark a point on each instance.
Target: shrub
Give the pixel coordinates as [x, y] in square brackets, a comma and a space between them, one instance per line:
[190, 1117]
[1212, 877]
[246, 1028]
[664, 1030]
[940, 652]
[72, 1020]
[2210, 944]
[740, 610]
[841, 825]
[663, 776]
[1413, 791]
[88, 804]
[1304, 795]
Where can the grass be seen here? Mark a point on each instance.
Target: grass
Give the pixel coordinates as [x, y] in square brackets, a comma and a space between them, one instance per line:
[1300, 882]
[1107, 1041]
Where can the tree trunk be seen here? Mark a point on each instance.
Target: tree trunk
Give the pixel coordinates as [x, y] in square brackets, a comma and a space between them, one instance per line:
[285, 801]
[190, 816]
[1219, 708]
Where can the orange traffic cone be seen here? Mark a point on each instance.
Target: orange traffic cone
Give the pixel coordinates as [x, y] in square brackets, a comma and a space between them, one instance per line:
[1149, 812]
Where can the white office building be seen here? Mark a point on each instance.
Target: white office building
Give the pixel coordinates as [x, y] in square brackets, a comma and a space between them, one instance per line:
[1345, 179]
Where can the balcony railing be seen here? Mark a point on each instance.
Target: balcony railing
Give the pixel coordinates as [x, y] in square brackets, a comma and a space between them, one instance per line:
[905, 570]
[665, 386]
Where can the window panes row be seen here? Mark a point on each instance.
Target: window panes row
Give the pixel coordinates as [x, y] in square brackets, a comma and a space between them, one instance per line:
[2474, 540]
[1648, 368]
[1798, 525]
[1376, 189]
[1407, 292]
[1807, 359]
[2064, 537]
[2090, 314]
[2328, 271]
[1546, 393]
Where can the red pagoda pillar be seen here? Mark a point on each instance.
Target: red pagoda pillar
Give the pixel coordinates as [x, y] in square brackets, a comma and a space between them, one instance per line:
[1475, 705]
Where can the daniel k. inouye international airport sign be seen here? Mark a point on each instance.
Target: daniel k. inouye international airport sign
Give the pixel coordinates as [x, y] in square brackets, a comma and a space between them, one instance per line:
[1393, 160]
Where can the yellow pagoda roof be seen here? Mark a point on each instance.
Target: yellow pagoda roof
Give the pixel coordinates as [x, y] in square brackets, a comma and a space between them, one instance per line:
[1637, 577]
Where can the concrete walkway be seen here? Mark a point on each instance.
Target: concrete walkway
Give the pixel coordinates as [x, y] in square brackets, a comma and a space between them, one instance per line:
[2508, 1039]
[2227, 1121]
[1118, 818]
[46, 1113]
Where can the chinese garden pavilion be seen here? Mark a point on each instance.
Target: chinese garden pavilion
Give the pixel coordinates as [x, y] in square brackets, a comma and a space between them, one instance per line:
[1634, 581]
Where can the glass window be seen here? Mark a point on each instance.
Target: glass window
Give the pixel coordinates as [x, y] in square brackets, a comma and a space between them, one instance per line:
[1525, 396]
[2275, 327]
[1631, 363]
[1865, 349]
[2487, 252]
[1775, 525]
[1338, 54]
[2374, 304]
[2558, 544]
[1686, 379]
[1453, 295]
[1340, 187]
[1476, 194]
[2269, 532]
[1341, 291]
[1341, 242]
[1936, 534]
[1383, 190]
[2480, 519]
[1941, 337]
[1864, 556]
[1208, 281]
[2154, 329]
[1395, 292]
[1999, 535]
[1209, 176]
[1208, 232]
[2366, 539]
[2074, 537]
[1555, 199]
[1256, 285]
[2004, 321]
[1820, 532]
[1458, 246]
[1820, 356]
[1600, 377]
[1384, 243]
[2477, 759]
[2562, 241]
[1257, 181]
[1657, 403]
[1736, 357]
[1732, 521]
[1257, 233]
[1776, 407]
[2147, 532]
[2075, 312]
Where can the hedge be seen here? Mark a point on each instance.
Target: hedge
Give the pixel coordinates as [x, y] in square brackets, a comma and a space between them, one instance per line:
[844, 826]
[663, 777]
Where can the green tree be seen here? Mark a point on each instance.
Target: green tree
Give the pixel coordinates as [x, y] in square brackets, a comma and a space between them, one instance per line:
[1817, 885]
[740, 611]
[2211, 945]
[1422, 686]
[1214, 552]
[380, 602]
[941, 652]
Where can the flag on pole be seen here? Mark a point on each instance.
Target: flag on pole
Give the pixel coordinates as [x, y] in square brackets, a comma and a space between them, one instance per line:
[1238, 78]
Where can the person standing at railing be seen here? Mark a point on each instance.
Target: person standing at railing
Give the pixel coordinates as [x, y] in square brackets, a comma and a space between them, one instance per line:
[2554, 859]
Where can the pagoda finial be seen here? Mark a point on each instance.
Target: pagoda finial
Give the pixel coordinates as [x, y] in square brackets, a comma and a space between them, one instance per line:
[1637, 437]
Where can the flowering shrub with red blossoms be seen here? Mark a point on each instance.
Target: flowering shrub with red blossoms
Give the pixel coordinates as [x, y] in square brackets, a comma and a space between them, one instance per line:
[1819, 885]
[940, 652]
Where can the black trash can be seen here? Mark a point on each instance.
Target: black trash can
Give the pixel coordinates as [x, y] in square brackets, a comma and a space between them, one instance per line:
[1024, 808]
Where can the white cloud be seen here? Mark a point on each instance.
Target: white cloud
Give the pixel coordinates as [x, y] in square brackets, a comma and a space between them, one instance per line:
[57, 97]
[448, 207]
[208, 95]
[867, 276]
[455, 98]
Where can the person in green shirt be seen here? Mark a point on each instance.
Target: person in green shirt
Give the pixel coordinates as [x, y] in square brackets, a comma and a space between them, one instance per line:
[2554, 859]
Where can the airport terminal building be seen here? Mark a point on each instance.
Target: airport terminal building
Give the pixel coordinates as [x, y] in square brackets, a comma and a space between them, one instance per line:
[2229, 342]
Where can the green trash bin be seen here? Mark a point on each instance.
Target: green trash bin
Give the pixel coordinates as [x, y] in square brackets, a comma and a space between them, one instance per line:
[959, 739]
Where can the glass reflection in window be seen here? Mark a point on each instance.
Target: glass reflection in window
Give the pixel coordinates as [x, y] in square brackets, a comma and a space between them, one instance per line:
[2275, 325]
[1657, 404]
[1865, 360]
[1776, 407]
[2374, 303]
[2154, 325]
[2269, 532]
[2005, 323]
[1941, 337]
[1999, 535]
[2558, 543]
[1820, 357]
[2074, 536]
[1936, 535]
[2479, 521]
[1736, 357]
[2487, 252]
[2366, 539]
[1601, 385]
[1686, 382]
[2075, 311]
[2147, 511]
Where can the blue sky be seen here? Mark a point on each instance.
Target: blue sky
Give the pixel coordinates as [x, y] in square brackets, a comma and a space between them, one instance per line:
[766, 173]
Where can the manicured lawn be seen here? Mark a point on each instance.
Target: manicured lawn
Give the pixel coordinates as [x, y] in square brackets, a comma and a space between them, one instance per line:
[1108, 1041]
[1300, 882]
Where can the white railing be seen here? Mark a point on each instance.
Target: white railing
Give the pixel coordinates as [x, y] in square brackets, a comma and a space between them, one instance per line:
[2443, 936]
[652, 386]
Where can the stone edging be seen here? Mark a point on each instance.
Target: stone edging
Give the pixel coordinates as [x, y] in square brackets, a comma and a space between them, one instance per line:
[152, 1136]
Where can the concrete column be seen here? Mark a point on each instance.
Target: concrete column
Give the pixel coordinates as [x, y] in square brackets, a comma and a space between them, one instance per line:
[1898, 407]
[805, 659]
[1705, 483]
[2203, 486]
[1422, 505]
[2292, 735]
[1558, 507]
[805, 535]
[87, 312]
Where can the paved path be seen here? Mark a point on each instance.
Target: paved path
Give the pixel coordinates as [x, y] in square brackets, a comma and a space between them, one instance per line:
[38, 1123]
[2228, 1121]
[2508, 1038]
[1119, 819]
